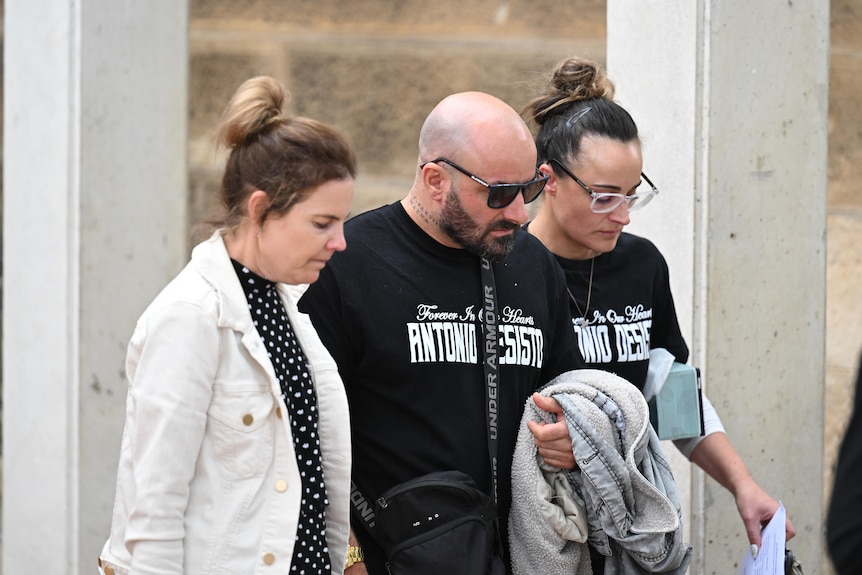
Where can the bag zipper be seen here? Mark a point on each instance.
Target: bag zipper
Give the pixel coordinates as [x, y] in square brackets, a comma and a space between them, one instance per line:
[384, 500]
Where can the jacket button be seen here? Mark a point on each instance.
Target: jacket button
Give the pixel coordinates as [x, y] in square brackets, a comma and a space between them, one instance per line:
[278, 412]
[281, 485]
[248, 419]
[269, 558]
[109, 571]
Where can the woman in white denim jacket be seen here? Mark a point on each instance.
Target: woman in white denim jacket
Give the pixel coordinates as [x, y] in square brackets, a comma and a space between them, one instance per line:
[212, 478]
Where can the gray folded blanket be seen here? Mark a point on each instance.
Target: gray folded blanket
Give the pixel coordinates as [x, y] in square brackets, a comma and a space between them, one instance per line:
[621, 497]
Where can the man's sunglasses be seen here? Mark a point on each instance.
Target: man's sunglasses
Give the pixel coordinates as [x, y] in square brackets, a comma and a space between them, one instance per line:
[501, 195]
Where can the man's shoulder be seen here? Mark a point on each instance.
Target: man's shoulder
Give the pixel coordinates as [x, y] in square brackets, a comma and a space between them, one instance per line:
[371, 236]
[528, 248]
[375, 228]
[530, 262]
[371, 219]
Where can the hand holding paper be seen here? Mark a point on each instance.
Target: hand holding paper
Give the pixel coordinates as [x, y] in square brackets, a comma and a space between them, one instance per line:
[770, 557]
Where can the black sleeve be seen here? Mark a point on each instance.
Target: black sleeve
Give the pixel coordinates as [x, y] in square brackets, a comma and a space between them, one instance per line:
[844, 519]
[323, 304]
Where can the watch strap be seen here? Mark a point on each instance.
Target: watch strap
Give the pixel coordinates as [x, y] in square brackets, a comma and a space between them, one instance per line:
[354, 555]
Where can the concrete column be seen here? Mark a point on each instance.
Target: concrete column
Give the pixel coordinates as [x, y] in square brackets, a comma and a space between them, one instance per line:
[94, 225]
[731, 100]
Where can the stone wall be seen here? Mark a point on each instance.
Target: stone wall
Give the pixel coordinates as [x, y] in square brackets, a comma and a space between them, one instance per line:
[374, 69]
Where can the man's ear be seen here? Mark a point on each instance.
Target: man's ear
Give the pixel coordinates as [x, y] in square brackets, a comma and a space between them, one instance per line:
[257, 204]
[436, 181]
[551, 184]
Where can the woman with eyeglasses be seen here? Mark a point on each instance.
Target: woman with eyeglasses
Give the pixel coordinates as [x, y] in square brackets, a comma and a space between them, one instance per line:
[619, 287]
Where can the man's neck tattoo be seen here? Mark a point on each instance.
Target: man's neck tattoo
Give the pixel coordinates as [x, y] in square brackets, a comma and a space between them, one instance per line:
[421, 212]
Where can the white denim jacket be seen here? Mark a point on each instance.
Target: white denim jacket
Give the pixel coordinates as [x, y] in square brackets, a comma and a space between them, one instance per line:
[207, 480]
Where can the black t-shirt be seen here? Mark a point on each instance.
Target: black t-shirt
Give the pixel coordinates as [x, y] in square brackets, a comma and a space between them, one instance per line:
[400, 314]
[631, 308]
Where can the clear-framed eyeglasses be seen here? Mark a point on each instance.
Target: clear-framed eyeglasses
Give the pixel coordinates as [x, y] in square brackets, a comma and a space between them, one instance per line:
[606, 202]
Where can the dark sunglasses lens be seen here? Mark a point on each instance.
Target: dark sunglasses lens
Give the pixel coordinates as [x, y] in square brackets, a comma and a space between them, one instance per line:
[532, 191]
[501, 195]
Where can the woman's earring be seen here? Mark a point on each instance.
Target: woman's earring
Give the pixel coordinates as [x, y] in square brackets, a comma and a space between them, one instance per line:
[260, 231]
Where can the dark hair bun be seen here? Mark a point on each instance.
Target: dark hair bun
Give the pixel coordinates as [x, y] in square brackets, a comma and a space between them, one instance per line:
[572, 80]
[578, 79]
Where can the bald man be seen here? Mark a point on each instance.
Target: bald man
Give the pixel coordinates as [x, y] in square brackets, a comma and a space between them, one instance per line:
[401, 311]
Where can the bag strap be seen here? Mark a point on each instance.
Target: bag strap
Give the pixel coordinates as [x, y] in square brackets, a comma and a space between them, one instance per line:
[490, 353]
[363, 510]
[490, 364]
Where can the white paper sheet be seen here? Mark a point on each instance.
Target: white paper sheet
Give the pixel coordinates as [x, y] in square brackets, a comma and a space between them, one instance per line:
[770, 557]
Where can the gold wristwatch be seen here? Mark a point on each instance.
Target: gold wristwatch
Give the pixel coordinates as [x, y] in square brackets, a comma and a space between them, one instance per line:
[354, 555]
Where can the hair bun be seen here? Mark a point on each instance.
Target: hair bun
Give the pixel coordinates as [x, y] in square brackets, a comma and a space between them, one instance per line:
[254, 108]
[572, 80]
[579, 79]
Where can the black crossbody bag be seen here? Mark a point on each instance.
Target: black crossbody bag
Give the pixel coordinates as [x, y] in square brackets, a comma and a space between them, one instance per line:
[442, 523]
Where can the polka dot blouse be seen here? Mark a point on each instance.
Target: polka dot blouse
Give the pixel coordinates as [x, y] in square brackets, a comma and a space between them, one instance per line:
[310, 553]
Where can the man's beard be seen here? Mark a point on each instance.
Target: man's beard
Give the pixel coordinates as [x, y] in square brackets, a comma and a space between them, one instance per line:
[458, 225]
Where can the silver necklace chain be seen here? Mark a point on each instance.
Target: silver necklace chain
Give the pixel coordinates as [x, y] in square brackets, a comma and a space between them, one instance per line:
[583, 319]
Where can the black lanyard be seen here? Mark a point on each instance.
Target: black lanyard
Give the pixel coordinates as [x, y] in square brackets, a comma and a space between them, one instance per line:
[490, 337]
